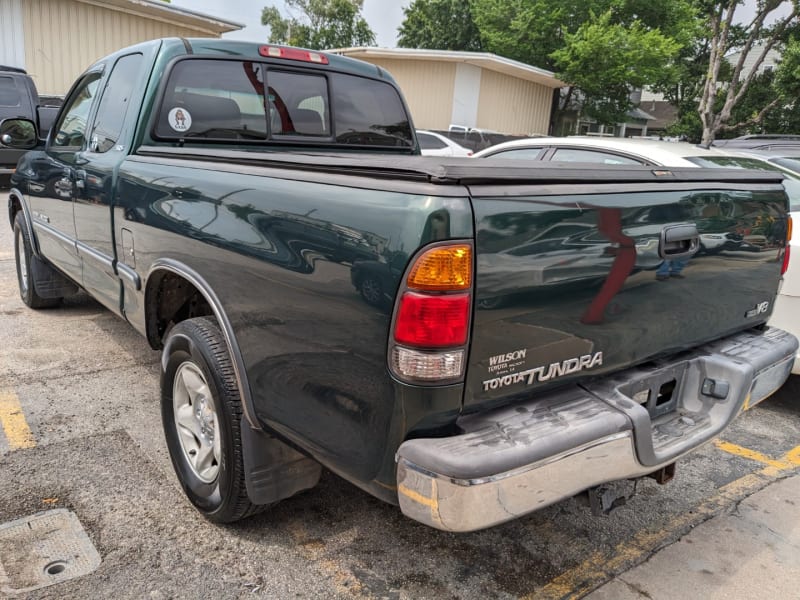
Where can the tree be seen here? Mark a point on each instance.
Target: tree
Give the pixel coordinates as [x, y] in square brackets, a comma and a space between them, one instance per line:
[439, 25]
[607, 61]
[324, 24]
[626, 43]
[720, 95]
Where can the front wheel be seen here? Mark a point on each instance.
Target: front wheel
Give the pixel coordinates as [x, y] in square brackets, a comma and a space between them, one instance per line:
[23, 257]
[201, 411]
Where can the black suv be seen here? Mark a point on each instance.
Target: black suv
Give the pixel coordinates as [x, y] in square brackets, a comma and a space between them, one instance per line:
[19, 98]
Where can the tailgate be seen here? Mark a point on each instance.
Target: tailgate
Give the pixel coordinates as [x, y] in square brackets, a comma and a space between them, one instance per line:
[575, 280]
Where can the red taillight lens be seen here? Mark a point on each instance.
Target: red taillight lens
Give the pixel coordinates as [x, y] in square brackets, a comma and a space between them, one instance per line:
[427, 321]
[786, 253]
[787, 250]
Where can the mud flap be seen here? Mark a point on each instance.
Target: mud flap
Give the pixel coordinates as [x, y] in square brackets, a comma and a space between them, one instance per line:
[273, 470]
[48, 282]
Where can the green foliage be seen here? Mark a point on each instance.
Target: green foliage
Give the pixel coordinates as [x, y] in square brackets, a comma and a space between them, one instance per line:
[603, 48]
[783, 85]
[439, 25]
[324, 24]
[607, 60]
[787, 77]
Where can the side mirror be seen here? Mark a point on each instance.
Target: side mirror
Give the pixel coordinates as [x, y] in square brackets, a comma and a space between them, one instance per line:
[19, 134]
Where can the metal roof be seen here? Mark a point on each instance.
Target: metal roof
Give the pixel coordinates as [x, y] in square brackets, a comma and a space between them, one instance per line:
[484, 60]
[168, 13]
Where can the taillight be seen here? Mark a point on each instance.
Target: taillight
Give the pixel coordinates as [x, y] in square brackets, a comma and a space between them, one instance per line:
[786, 252]
[788, 249]
[432, 317]
[432, 321]
[293, 54]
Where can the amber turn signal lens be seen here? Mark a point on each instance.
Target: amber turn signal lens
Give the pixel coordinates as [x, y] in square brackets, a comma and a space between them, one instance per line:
[442, 269]
[789, 229]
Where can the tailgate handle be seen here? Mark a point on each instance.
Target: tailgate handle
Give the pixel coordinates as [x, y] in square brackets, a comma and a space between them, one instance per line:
[679, 241]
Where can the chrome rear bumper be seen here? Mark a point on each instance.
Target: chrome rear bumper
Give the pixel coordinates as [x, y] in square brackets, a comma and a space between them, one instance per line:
[517, 459]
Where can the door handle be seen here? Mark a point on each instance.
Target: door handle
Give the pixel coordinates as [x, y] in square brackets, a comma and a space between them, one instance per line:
[80, 178]
[76, 176]
[679, 241]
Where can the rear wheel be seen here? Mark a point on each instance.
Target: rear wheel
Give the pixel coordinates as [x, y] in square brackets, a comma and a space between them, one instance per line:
[201, 412]
[23, 255]
[371, 290]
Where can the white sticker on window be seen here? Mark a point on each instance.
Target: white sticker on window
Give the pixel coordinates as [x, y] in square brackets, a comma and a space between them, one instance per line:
[179, 119]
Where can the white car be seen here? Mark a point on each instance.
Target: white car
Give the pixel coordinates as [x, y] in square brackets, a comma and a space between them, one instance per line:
[608, 151]
[435, 144]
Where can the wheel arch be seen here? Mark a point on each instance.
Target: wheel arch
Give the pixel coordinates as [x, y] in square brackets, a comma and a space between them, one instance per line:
[163, 269]
[16, 204]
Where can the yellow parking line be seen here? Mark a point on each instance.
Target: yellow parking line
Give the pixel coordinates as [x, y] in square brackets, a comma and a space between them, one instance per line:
[736, 450]
[13, 420]
[602, 566]
[793, 456]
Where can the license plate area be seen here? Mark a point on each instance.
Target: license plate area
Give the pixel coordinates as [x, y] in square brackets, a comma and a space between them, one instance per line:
[658, 392]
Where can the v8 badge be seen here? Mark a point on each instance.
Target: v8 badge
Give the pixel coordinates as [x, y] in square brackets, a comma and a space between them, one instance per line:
[758, 309]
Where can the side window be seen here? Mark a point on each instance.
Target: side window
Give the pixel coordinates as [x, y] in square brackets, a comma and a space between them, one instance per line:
[430, 142]
[114, 103]
[519, 153]
[70, 131]
[592, 156]
[9, 95]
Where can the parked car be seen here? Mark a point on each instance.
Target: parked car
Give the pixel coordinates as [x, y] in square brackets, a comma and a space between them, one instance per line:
[436, 144]
[225, 197]
[766, 141]
[602, 150]
[20, 99]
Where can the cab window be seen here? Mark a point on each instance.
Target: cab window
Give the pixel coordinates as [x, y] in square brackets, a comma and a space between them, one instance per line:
[70, 131]
[214, 100]
[114, 103]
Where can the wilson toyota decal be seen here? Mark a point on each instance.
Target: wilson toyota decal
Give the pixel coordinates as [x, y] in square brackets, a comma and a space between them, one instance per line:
[546, 372]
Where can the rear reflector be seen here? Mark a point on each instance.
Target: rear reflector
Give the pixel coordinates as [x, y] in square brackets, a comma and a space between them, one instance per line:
[445, 268]
[786, 252]
[427, 366]
[293, 54]
[432, 321]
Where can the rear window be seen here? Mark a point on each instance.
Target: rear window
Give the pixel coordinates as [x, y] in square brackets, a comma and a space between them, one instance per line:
[430, 142]
[244, 101]
[791, 183]
[732, 162]
[793, 164]
[9, 95]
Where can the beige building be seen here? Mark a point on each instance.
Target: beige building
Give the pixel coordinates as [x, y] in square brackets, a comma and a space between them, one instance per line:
[56, 40]
[468, 89]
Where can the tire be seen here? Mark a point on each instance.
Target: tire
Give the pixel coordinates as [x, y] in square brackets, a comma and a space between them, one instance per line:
[371, 291]
[22, 256]
[201, 411]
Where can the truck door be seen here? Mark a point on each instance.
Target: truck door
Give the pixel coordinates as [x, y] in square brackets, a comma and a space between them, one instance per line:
[93, 201]
[59, 175]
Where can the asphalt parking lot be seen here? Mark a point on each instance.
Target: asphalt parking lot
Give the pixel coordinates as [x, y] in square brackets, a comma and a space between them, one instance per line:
[81, 430]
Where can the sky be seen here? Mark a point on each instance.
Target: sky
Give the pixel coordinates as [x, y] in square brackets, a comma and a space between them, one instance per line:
[383, 16]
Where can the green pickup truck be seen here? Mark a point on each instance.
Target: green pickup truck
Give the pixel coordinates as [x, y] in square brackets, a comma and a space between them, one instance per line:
[471, 340]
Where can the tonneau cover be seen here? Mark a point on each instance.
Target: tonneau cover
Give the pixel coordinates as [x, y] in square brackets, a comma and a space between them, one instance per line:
[461, 171]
